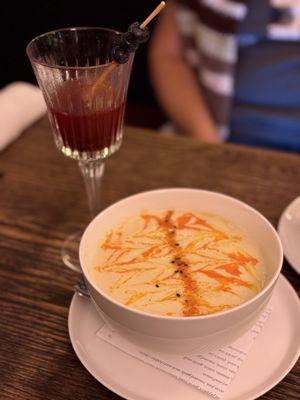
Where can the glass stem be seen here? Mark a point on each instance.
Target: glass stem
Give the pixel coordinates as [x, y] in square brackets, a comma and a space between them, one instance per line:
[92, 172]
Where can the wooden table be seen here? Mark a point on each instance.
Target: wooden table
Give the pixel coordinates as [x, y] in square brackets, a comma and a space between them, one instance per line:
[42, 200]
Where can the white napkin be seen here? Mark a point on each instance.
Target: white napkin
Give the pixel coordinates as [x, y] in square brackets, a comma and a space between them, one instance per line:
[21, 104]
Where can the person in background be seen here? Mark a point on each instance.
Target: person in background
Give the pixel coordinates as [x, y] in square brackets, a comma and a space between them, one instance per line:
[230, 70]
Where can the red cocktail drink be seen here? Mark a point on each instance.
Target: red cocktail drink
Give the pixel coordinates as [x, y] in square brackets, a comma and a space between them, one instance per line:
[84, 76]
[83, 124]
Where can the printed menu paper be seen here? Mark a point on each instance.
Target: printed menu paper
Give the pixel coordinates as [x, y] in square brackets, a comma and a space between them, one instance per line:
[209, 372]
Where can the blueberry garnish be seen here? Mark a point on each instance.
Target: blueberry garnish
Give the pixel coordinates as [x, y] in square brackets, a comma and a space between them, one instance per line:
[129, 42]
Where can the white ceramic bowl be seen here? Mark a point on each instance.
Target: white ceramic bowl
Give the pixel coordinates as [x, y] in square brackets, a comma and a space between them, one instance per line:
[183, 334]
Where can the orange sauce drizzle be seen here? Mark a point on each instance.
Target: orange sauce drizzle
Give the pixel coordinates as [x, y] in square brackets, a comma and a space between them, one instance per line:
[187, 291]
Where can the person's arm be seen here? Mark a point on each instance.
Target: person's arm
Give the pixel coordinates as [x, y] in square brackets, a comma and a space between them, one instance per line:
[175, 84]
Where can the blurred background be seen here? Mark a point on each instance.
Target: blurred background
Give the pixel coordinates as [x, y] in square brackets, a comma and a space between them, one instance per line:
[23, 21]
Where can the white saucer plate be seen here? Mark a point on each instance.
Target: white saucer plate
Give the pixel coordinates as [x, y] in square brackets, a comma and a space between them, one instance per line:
[272, 356]
[289, 232]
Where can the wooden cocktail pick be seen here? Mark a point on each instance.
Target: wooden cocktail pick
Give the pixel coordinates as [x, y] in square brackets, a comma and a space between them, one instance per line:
[154, 13]
[114, 63]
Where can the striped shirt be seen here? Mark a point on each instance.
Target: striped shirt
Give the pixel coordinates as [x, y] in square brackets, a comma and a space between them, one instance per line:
[209, 29]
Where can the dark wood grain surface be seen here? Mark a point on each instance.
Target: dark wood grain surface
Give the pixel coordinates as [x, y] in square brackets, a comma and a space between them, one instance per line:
[42, 200]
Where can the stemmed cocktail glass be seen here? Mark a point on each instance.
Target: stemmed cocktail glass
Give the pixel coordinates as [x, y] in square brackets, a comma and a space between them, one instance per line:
[84, 75]
[85, 92]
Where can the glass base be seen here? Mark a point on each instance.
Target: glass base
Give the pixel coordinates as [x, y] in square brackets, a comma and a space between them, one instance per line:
[90, 155]
[70, 251]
